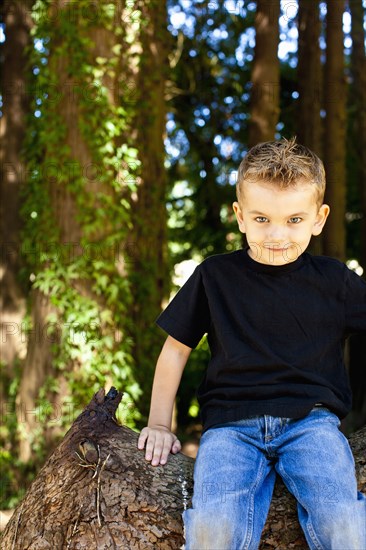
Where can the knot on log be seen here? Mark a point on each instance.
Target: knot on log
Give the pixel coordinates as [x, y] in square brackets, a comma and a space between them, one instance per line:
[89, 451]
[104, 405]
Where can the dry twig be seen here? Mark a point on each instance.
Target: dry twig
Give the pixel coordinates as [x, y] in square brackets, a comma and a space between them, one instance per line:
[98, 489]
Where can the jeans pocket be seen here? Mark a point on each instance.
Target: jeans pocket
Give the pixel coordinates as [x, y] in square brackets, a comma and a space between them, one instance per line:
[324, 414]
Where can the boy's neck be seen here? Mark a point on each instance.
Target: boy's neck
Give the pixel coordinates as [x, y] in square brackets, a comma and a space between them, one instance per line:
[255, 265]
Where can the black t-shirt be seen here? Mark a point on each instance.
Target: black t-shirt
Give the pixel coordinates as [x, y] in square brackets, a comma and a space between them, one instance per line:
[276, 334]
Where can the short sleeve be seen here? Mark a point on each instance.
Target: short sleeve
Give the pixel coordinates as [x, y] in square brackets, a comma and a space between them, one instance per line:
[355, 302]
[187, 317]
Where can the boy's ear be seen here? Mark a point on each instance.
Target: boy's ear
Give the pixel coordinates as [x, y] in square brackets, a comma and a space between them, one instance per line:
[321, 218]
[239, 216]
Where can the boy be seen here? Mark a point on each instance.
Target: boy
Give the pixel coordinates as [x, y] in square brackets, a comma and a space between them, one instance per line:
[276, 385]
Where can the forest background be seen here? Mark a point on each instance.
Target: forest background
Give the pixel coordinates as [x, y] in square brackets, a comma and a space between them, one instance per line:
[122, 126]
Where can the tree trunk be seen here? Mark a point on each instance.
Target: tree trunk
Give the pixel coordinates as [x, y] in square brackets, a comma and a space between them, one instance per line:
[357, 113]
[335, 132]
[96, 491]
[309, 74]
[78, 183]
[17, 22]
[149, 274]
[309, 131]
[356, 146]
[264, 109]
[37, 366]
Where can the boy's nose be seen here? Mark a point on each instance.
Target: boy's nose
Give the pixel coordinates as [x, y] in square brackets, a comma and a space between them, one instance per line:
[277, 234]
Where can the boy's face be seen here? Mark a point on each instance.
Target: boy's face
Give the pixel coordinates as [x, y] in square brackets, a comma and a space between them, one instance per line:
[279, 223]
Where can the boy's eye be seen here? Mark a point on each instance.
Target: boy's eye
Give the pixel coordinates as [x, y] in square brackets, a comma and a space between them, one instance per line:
[296, 219]
[261, 219]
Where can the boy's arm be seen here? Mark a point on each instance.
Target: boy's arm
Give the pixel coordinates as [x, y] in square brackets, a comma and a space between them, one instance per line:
[157, 435]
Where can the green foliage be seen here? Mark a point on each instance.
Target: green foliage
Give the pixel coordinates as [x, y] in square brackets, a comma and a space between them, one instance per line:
[87, 188]
[208, 127]
[14, 474]
[12, 489]
[187, 406]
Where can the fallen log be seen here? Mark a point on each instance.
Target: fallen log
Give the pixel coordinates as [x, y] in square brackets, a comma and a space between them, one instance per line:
[96, 491]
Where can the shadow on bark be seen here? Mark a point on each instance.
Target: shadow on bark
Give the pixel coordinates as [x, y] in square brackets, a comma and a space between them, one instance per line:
[96, 491]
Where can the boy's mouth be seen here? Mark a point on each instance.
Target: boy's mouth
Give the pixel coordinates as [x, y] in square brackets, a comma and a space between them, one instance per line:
[277, 248]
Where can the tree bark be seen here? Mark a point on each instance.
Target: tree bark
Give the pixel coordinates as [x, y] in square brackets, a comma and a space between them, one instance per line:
[37, 366]
[356, 147]
[357, 112]
[335, 132]
[18, 23]
[264, 108]
[150, 273]
[309, 127]
[65, 105]
[309, 73]
[96, 491]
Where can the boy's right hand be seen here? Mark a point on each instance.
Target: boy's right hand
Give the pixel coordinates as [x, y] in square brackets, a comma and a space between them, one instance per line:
[159, 443]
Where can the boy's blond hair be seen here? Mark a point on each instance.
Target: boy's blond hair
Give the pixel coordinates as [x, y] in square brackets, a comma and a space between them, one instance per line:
[284, 163]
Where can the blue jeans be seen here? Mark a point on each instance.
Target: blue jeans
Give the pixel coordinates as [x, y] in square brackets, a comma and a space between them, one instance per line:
[235, 473]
